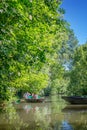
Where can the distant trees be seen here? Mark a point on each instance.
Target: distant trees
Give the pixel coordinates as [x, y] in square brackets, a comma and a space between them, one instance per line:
[78, 75]
[60, 68]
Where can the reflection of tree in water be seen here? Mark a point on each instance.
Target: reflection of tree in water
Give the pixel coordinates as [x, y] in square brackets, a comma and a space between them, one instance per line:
[78, 120]
[80, 126]
[65, 125]
[10, 120]
[44, 116]
[57, 104]
[41, 118]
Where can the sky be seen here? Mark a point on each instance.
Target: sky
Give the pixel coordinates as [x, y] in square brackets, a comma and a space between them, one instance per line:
[76, 15]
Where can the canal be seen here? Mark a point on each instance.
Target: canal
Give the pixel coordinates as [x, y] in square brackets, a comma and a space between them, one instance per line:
[53, 114]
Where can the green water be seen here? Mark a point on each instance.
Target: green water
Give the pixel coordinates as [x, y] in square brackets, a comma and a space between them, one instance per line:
[54, 114]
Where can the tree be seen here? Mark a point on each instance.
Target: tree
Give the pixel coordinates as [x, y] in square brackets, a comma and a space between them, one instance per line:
[62, 61]
[78, 76]
[30, 32]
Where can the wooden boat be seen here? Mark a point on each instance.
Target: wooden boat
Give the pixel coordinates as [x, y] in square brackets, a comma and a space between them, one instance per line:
[75, 99]
[35, 100]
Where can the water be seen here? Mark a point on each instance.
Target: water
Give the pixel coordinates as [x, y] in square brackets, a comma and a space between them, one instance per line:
[51, 115]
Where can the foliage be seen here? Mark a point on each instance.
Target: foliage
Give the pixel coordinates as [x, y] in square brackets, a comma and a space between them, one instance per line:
[62, 62]
[28, 30]
[67, 50]
[78, 75]
[32, 35]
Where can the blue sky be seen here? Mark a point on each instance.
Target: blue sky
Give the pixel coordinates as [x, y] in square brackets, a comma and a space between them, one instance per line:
[76, 15]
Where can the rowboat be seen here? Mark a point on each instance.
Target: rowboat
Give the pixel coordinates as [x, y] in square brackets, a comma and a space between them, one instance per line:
[75, 99]
[33, 100]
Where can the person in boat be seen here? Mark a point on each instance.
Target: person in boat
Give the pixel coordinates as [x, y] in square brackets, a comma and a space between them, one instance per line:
[30, 96]
[36, 96]
[27, 95]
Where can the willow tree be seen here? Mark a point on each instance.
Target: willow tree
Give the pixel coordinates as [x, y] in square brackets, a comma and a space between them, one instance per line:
[32, 32]
[78, 75]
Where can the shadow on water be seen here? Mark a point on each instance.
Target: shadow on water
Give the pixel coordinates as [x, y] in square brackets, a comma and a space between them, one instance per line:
[75, 108]
[52, 115]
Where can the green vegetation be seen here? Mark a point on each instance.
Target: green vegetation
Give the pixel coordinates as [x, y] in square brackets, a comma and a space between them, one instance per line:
[36, 47]
[78, 74]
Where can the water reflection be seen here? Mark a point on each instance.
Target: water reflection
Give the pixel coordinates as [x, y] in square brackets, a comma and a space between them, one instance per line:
[10, 120]
[55, 115]
[66, 126]
[75, 108]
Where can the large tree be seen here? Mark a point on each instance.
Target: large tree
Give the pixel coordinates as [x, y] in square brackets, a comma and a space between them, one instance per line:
[32, 33]
[29, 33]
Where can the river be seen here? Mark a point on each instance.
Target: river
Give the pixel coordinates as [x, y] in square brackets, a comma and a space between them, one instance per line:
[54, 114]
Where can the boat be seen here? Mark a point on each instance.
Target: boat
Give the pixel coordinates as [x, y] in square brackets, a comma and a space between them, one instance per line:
[33, 100]
[75, 99]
